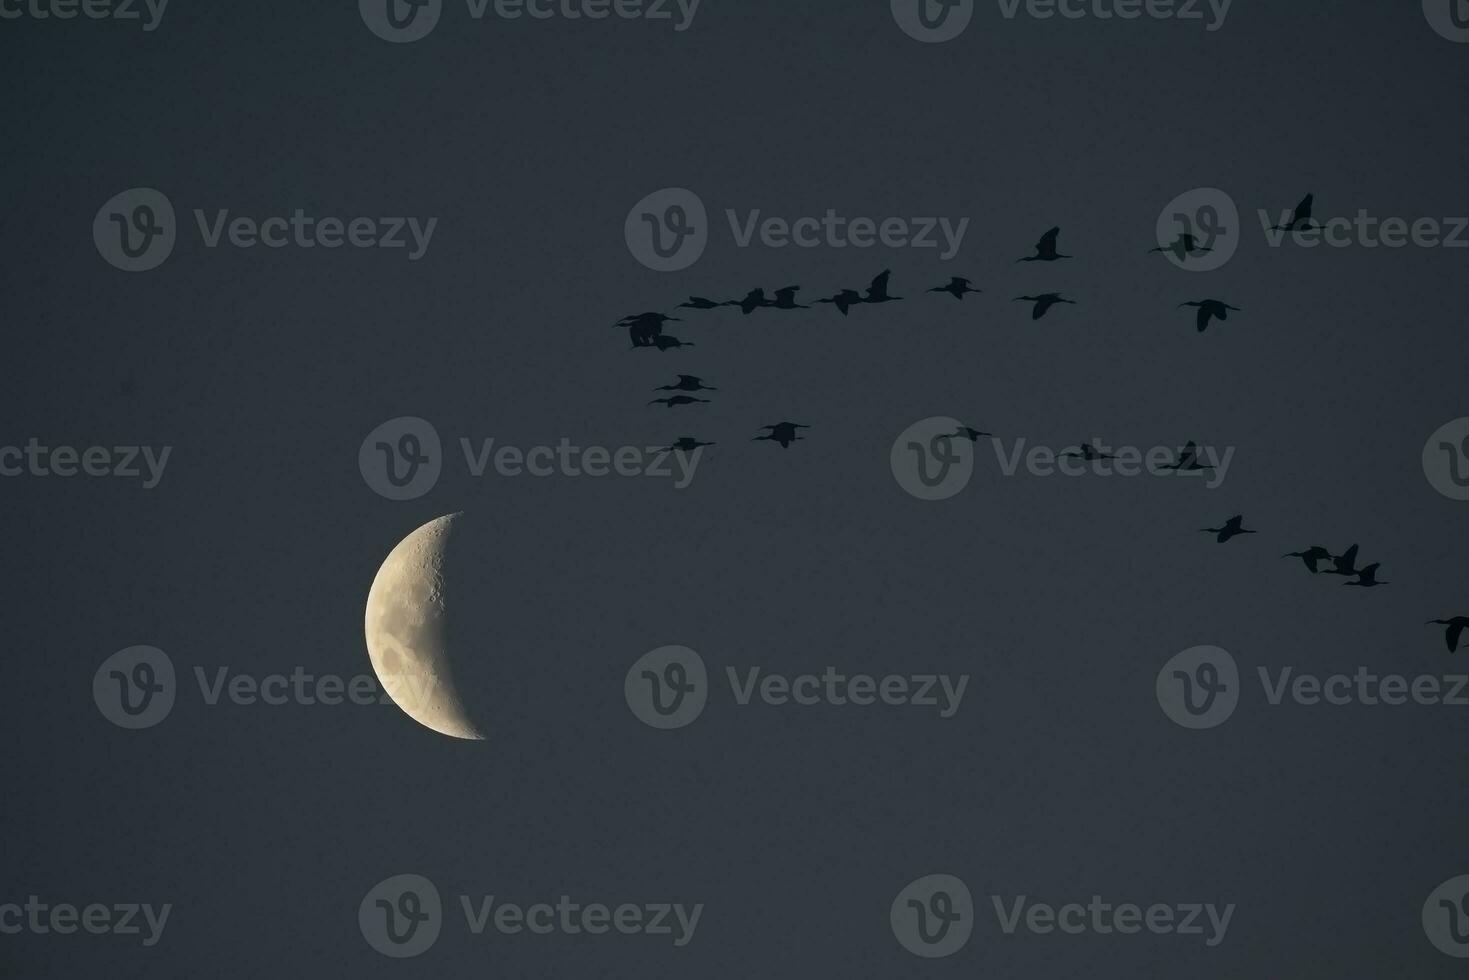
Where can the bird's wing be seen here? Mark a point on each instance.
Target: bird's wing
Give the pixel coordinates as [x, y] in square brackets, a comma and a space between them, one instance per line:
[879, 285]
[1048, 240]
[1202, 319]
[1223, 311]
[1452, 636]
[1303, 210]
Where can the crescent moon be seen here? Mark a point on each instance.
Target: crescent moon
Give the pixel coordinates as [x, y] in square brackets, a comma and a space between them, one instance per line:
[406, 630]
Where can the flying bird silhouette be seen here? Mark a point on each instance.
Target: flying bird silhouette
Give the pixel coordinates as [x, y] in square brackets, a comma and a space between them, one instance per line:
[1210, 309]
[657, 318]
[645, 328]
[687, 382]
[957, 287]
[1045, 249]
[686, 444]
[1367, 577]
[783, 433]
[1300, 219]
[1043, 303]
[785, 299]
[700, 303]
[662, 342]
[1343, 564]
[1182, 247]
[678, 400]
[877, 292]
[1231, 527]
[967, 432]
[754, 300]
[844, 300]
[1310, 556]
[1456, 626]
[1088, 452]
[1188, 459]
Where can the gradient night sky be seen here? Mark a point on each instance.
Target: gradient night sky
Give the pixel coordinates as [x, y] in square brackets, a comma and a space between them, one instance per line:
[1059, 778]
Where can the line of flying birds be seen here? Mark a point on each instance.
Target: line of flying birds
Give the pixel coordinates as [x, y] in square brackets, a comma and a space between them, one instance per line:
[646, 331]
[1321, 561]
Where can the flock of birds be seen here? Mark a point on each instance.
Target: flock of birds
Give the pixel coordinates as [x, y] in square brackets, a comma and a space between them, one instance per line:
[646, 332]
[782, 432]
[645, 329]
[1316, 560]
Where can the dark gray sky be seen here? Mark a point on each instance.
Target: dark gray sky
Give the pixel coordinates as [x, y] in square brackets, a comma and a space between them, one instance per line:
[1059, 778]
